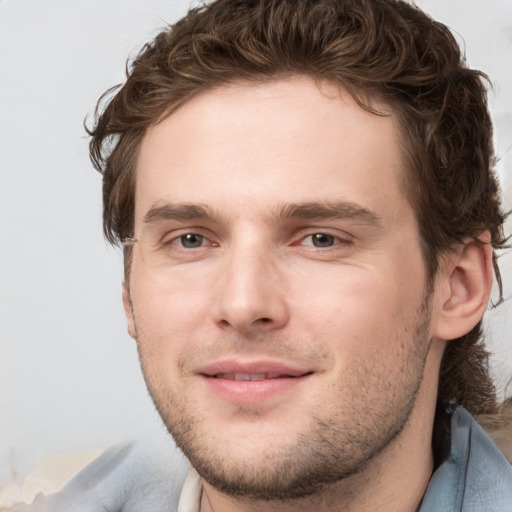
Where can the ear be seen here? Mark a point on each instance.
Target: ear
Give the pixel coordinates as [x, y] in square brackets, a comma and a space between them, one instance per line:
[463, 286]
[128, 311]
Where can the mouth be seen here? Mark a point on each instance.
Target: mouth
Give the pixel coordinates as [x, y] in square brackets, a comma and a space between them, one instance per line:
[251, 376]
[250, 383]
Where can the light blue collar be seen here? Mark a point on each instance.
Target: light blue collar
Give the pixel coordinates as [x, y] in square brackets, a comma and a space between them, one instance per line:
[475, 477]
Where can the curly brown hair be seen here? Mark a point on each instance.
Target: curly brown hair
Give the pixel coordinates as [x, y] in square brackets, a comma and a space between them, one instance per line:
[385, 49]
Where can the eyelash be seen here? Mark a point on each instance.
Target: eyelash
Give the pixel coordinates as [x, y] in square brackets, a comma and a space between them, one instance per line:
[175, 241]
[335, 239]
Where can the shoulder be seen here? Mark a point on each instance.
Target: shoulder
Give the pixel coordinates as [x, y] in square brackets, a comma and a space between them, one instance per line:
[476, 476]
[136, 477]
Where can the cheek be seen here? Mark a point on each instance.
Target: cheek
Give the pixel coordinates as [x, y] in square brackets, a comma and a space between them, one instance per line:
[359, 307]
[167, 315]
[348, 292]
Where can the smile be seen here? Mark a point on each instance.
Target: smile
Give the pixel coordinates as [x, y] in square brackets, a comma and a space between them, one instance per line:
[253, 382]
[249, 376]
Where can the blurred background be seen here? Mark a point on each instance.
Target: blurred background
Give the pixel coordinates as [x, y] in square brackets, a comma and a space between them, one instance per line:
[69, 375]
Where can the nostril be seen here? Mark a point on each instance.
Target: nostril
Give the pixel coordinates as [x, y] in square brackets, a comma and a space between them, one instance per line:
[265, 320]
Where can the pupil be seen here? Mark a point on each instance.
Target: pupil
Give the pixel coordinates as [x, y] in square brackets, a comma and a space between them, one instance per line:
[322, 240]
[190, 241]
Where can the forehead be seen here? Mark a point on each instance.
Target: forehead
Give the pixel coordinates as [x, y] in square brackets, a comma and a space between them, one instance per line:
[248, 146]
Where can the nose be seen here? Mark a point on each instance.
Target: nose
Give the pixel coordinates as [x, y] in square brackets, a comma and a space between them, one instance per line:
[250, 294]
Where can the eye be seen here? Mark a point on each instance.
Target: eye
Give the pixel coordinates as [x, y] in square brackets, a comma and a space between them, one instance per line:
[323, 240]
[190, 241]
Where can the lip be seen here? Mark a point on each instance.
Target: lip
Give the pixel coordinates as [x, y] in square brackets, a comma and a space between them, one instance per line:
[231, 380]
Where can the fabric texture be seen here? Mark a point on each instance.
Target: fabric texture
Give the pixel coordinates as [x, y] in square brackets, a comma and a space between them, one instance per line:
[143, 477]
[476, 476]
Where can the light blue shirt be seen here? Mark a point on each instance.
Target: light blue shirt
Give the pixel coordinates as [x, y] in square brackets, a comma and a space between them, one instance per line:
[140, 477]
[476, 477]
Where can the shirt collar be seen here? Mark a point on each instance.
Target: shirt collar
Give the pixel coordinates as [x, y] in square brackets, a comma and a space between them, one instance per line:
[190, 499]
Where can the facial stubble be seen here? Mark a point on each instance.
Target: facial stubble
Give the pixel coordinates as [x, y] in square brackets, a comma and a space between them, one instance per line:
[333, 448]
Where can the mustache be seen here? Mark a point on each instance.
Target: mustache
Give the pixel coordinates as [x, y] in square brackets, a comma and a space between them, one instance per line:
[258, 346]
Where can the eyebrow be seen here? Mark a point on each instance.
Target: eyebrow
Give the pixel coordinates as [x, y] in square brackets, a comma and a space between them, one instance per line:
[181, 211]
[324, 210]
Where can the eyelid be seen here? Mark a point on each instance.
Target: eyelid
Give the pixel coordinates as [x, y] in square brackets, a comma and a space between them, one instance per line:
[180, 242]
[170, 238]
[342, 237]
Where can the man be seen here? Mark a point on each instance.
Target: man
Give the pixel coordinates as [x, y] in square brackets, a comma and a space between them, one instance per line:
[304, 194]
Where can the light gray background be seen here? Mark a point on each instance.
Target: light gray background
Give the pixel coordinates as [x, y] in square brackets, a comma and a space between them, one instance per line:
[69, 376]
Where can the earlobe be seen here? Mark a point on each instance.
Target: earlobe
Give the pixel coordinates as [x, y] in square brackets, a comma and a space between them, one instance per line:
[466, 281]
[128, 311]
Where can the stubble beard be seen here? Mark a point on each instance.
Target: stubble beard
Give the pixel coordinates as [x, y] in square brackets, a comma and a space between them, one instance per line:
[333, 448]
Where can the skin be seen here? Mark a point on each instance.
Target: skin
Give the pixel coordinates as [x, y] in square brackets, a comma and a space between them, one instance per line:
[270, 278]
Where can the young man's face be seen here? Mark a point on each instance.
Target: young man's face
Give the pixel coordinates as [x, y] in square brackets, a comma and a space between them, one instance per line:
[278, 287]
